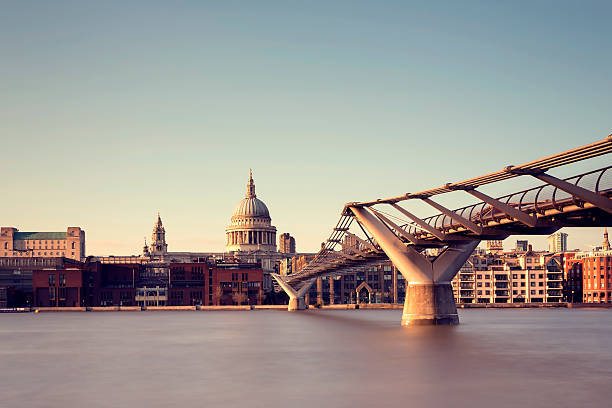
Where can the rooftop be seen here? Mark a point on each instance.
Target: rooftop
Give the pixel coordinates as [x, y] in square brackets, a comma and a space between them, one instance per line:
[39, 235]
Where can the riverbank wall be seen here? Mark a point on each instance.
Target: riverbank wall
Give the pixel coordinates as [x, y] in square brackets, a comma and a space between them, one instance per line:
[366, 306]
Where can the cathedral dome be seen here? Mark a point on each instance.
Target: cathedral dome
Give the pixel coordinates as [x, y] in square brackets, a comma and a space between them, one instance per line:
[251, 227]
[251, 207]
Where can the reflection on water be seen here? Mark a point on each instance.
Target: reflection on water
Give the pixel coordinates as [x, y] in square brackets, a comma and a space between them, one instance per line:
[349, 358]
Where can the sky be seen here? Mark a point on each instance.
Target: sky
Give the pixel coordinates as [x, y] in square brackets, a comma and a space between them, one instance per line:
[112, 111]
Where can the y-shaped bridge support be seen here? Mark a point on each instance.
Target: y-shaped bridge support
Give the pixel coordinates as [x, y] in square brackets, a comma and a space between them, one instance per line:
[296, 297]
[429, 295]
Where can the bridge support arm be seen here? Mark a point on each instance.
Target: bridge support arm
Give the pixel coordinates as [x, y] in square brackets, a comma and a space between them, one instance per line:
[297, 298]
[409, 261]
[448, 263]
[429, 295]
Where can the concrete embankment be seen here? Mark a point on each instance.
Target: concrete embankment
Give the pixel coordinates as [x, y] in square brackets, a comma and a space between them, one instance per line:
[366, 306]
[510, 305]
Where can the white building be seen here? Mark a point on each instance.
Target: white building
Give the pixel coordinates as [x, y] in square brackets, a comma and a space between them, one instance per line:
[251, 237]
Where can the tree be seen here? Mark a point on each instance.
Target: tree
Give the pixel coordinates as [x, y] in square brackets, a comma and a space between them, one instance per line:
[217, 294]
[239, 298]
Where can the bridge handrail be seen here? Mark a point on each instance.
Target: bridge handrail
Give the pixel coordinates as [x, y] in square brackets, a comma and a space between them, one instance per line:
[444, 223]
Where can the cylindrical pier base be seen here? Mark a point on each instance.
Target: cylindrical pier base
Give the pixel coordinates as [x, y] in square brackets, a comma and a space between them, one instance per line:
[429, 304]
[296, 303]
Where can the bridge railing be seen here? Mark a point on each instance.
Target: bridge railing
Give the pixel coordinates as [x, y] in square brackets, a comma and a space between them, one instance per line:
[532, 201]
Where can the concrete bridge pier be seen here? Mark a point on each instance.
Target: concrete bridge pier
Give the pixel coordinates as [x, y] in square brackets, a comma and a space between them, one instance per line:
[429, 304]
[296, 303]
[429, 295]
[297, 298]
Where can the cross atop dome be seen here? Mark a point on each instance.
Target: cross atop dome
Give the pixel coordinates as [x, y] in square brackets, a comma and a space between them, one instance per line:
[251, 186]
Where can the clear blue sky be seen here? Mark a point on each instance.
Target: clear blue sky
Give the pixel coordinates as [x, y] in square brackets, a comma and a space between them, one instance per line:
[112, 111]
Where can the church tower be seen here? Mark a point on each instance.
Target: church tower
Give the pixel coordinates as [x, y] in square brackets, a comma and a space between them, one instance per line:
[606, 242]
[158, 239]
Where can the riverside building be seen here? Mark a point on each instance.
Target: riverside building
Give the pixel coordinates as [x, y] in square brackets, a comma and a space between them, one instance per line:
[514, 277]
[595, 267]
[63, 244]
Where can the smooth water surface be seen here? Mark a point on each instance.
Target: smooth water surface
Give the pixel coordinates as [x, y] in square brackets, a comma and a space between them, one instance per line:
[348, 358]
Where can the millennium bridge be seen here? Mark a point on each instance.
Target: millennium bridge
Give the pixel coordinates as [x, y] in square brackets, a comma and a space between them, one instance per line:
[390, 230]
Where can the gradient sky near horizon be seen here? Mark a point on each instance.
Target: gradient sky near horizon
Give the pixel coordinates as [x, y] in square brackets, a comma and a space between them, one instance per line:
[112, 111]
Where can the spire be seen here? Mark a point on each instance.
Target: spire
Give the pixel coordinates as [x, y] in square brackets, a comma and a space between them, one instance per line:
[158, 223]
[606, 242]
[251, 186]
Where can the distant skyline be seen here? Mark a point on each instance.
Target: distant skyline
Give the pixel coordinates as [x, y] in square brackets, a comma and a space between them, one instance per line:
[113, 111]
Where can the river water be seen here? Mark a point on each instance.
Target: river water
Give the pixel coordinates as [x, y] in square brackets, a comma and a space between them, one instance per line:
[340, 358]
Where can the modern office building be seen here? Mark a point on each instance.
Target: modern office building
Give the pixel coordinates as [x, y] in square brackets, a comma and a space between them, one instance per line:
[521, 245]
[557, 242]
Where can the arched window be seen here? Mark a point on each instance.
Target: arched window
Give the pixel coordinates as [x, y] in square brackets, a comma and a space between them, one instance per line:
[6, 245]
[73, 245]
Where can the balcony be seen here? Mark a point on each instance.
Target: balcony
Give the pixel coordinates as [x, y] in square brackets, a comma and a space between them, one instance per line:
[501, 293]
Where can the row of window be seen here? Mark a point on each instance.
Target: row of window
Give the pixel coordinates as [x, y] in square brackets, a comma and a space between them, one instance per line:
[61, 280]
[40, 246]
[598, 294]
[514, 292]
[601, 285]
[26, 254]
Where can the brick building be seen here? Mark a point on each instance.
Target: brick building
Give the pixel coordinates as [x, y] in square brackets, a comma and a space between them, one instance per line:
[236, 283]
[16, 277]
[58, 287]
[189, 284]
[572, 278]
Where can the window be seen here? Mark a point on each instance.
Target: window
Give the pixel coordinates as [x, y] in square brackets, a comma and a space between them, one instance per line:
[487, 292]
[532, 284]
[51, 280]
[541, 276]
[532, 292]
[532, 276]
[522, 276]
[540, 283]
